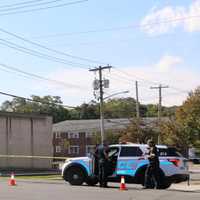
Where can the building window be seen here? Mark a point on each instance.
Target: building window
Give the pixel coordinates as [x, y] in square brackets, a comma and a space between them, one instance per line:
[89, 135]
[73, 150]
[57, 135]
[58, 149]
[82, 133]
[73, 135]
[90, 149]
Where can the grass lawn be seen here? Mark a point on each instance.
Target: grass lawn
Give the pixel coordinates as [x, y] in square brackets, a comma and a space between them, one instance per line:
[39, 177]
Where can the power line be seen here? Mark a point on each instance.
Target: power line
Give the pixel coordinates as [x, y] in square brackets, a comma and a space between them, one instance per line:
[119, 28]
[49, 49]
[25, 5]
[38, 54]
[120, 76]
[32, 100]
[131, 75]
[43, 8]
[75, 57]
[147, 81]
[40, 77]
[13, 72]
[123, 78]
[116, 78]
[21, 3]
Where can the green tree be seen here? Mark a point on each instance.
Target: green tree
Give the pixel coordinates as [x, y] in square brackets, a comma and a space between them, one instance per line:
[88, 111]
[188, 117]
[51, 105]
[184, 130]
[139, 132]
[112, 137]
[120, 108]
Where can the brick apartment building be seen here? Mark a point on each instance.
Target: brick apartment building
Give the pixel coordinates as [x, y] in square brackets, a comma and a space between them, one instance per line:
[73, 138]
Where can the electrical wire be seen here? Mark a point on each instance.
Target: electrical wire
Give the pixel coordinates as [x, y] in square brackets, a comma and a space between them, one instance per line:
[49, 49]
[39, 54]
[41, 77]
[34, 3]
[20, 3]
[32, 100]
[75, 57]
[43, 8]
[148, 81]
[124, 81]
[10, 7]
[81, 58]
[120, 28]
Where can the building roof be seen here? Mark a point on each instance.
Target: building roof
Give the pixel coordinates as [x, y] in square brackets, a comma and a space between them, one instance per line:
[94, 124]
[23, 115]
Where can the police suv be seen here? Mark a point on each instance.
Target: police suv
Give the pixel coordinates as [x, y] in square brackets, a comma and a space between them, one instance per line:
[127, 160]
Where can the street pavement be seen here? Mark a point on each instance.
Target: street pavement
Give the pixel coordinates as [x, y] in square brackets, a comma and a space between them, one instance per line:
[59, 190]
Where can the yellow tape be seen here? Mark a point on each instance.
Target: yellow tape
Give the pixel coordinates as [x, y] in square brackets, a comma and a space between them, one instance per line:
[38, 157]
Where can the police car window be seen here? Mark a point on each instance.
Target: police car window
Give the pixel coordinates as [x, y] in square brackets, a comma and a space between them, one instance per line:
[169, 152]
[113, 151]
[130, 151]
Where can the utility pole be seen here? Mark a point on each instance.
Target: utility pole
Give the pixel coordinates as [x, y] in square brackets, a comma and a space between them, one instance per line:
[101, 86]
[137, 110]
[137, 101]
[160, 87]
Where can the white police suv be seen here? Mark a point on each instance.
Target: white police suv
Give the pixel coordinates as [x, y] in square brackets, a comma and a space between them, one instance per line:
[127, 160]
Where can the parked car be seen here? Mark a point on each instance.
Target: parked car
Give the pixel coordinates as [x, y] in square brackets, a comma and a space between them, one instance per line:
[194, 155]
[127, 160]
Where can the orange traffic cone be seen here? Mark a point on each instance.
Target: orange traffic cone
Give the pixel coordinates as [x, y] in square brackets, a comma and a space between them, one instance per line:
[12, 181]
[122, 184]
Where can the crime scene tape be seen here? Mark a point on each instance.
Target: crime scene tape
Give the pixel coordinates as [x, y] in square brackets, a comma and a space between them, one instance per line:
[38, 157]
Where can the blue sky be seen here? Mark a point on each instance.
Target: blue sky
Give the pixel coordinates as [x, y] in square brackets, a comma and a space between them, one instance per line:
[166, 53]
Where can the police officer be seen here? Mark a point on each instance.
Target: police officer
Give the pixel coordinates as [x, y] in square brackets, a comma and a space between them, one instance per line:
[152, 171]
[102, 154]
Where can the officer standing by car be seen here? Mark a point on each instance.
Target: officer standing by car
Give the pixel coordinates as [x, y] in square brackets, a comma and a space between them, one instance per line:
[102, 155]
[152, 179]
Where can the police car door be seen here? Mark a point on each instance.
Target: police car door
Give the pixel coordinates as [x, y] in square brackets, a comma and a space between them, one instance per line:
[113, 154]
[128, 160]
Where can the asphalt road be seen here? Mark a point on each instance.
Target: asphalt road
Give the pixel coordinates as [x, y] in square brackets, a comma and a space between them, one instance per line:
[59, 190]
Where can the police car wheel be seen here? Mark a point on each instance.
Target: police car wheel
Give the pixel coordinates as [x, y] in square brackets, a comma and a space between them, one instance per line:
[75, 176]
[91, 181]
[165, 184]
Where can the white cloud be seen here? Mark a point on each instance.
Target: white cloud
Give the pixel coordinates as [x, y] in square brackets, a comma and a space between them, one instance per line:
[168, 62]
[167, 14]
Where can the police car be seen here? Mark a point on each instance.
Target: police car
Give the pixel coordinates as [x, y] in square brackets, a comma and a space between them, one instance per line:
[127, 160]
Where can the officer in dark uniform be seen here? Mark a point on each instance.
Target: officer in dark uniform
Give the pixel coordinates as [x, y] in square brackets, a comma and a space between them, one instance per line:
[153, 168]
[102, 154]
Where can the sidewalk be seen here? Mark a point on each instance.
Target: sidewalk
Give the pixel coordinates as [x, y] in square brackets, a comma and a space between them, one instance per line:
[186, 188]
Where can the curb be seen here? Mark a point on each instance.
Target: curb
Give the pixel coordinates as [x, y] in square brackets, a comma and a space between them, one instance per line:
[30, 174]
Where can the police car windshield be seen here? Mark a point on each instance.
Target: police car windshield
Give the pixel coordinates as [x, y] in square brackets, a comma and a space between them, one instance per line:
[171, 152]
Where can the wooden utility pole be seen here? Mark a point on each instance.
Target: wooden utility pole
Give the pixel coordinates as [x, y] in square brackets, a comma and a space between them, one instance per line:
[137, 101]
[101, 86]
[137, 110]
[160, 87]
